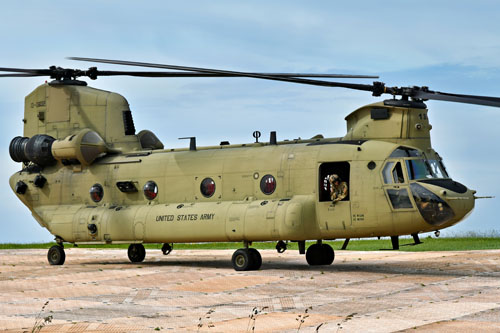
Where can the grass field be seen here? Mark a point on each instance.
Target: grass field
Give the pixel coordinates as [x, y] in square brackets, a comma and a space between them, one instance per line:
[429, 244]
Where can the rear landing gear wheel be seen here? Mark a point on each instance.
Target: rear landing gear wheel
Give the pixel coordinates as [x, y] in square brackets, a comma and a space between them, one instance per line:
[56, 255]
[246, 260]
[320, 254]
[136, 252]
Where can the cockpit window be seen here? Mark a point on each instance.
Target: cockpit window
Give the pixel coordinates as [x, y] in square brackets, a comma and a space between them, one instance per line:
[418, 169]
[387, 172]
[405, 152]
[437, 169]
[397, 174]
[393, 173]
[399, 198]
[417, 164]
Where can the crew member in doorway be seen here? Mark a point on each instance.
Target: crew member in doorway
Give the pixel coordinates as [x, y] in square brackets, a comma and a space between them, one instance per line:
[338, 188]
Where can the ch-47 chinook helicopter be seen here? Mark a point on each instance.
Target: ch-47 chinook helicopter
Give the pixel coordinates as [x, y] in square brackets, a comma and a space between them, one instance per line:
[89, 178]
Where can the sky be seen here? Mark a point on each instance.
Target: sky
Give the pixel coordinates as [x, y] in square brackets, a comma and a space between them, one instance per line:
[449, 46]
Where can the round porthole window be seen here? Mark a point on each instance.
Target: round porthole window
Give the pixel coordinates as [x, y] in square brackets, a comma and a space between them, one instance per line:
[150, 190]
[207, 187]
[96, 192]
[268, 184]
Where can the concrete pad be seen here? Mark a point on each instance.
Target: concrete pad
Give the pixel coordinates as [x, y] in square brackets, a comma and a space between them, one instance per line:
[191, 290]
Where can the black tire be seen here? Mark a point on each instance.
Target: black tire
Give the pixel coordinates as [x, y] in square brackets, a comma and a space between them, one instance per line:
[327, 254]
[242, 260]
[256, 259]
[56, 255]
[320, 254]
[136, 252]
[313, 255]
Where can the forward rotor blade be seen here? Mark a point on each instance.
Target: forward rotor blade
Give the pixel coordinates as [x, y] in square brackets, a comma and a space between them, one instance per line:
[459, 98]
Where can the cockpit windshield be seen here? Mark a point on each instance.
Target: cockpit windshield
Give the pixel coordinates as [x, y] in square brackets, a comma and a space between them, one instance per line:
[438, 169]
[418, 169]
[424, 169]
[418, 166]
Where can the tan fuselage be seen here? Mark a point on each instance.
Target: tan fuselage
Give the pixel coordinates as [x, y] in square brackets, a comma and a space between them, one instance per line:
[238, 209]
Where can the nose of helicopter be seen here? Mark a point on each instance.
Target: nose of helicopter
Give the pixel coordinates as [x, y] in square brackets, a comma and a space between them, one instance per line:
[461, 203]
[443, 202]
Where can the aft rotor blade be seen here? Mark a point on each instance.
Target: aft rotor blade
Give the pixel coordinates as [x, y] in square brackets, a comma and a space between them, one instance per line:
[459, 98]
[365, 87]
[40, 72]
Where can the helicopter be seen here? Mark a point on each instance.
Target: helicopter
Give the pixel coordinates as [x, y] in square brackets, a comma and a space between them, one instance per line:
[89, 178]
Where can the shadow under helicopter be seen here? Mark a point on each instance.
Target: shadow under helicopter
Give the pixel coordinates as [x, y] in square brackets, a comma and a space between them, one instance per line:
[420, 268]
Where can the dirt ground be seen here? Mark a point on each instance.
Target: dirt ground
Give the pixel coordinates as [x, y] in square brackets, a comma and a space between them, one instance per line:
[191, 290]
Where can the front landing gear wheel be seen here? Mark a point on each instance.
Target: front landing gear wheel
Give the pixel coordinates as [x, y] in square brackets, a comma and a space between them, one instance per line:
[56, 255]
[136, 252]
[246, 260]
[320, 254]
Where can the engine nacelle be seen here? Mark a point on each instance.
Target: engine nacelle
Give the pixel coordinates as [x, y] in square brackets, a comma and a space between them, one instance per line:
[44, 150]
[36, 150]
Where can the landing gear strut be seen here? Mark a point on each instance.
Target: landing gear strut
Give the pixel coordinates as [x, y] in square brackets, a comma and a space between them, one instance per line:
[136, 252]
[56, 255]
[320, 254]
[247, 259]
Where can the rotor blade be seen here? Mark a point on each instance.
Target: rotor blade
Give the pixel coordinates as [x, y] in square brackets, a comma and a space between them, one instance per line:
[365, 87]
[198, 74]
[42, 72]
[20, 75]
[459, 98]
[25, 70]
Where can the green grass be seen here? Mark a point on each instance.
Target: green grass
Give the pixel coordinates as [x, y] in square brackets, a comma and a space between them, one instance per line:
[429, 244]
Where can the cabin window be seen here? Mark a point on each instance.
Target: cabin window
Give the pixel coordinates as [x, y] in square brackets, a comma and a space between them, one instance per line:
[96, 192]
[207, 187]
[268, 184]
[150, 190]
[341, 169]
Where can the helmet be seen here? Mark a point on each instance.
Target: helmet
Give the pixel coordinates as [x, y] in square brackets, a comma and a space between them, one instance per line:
[334, 178]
